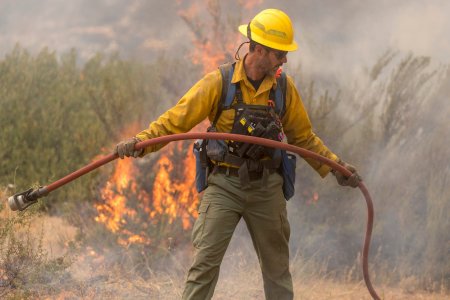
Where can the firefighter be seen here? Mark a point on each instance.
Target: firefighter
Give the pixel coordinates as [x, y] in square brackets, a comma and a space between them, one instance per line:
[242, 183]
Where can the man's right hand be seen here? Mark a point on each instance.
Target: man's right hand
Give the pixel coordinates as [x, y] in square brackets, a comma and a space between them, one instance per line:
[126, 148]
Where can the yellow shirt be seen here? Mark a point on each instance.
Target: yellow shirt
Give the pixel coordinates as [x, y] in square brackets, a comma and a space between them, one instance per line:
[201, 102]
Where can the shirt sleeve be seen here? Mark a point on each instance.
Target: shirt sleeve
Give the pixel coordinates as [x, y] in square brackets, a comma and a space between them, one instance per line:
[194, 107]
[298, 130]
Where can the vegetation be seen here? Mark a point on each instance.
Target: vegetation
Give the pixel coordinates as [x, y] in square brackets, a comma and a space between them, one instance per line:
[56, 115]
[25, 267]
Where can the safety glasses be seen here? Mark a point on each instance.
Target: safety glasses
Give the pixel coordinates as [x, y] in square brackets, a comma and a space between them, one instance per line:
[278, 53]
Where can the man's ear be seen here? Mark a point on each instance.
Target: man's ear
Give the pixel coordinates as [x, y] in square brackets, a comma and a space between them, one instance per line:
[260, 50]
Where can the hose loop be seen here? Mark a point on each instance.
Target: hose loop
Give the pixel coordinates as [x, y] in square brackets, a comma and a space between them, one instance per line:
[252, 140]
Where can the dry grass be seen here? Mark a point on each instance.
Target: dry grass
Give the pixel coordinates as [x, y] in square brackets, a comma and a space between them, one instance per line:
[92, 276]
[243, 284]
[240, 279]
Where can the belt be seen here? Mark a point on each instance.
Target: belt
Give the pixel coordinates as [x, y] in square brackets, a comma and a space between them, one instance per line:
[230, 171]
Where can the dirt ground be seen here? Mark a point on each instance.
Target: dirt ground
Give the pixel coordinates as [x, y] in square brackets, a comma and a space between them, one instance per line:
[91, 278]
[241, 287]
[239, 279]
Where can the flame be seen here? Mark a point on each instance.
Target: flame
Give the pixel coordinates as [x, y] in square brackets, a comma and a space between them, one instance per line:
[214, 40]
[174, 192]
[312, 197]
[127, 209]
[250, 4]
[113, 212]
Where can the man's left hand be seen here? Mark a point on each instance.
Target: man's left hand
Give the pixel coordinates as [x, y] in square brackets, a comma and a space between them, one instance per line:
[126, 148]
[353, 180]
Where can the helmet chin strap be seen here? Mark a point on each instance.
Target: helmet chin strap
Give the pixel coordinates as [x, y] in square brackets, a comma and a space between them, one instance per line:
[249, 35]
[236, 55]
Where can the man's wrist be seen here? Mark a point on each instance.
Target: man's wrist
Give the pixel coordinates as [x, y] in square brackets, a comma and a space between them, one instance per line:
[338, 161]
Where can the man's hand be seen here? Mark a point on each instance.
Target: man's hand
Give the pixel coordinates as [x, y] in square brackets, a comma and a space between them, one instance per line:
[126, 148]
[343, 180]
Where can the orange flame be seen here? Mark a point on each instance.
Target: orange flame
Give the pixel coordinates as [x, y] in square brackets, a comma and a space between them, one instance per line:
[127, 209]
[113, 212]
[312, 197]
[250, 4]
[214, 40]
[174, 192]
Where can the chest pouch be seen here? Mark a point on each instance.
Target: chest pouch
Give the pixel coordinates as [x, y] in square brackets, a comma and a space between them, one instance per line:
[216, 149]
[205, 152]
[259, 121]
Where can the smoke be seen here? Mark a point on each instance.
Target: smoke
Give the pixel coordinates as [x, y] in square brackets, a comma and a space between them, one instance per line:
[136, 29]
[337, 39]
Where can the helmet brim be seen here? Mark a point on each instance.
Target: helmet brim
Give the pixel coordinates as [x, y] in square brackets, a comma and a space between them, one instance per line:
[260, 40]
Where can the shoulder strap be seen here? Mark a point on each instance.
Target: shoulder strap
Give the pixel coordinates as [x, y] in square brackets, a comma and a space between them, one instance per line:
[228, 90]
[231, 90]
[280, 95]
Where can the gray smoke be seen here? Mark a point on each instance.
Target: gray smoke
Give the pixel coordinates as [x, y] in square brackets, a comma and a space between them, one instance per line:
[334, 36]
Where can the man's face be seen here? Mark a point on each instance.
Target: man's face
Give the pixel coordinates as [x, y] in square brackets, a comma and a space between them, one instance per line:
[271, 60]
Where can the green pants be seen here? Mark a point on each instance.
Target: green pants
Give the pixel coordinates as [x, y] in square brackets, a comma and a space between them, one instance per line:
[264, 210]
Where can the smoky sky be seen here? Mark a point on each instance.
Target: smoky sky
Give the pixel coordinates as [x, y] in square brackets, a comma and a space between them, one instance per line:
[129, 27]
[336, 38]
[341, 37]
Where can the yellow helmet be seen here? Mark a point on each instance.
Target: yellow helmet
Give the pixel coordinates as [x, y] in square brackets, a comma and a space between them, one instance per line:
[271, 28]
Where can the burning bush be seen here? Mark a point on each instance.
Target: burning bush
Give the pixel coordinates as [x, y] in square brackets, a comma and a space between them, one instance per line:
[150, 204]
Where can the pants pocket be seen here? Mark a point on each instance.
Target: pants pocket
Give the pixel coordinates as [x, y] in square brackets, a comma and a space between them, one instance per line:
[199, 225]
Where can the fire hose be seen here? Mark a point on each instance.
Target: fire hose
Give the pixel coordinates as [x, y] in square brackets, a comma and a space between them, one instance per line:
[22, 200]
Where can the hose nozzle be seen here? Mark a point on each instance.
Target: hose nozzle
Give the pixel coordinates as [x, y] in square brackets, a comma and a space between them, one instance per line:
[22, 200]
